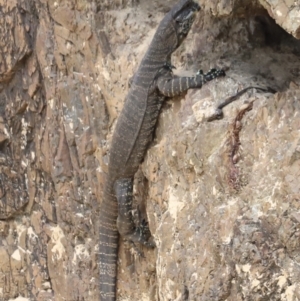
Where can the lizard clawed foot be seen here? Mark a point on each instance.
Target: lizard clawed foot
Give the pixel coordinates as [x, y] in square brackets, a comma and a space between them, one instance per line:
[141, 235]
[214, 73]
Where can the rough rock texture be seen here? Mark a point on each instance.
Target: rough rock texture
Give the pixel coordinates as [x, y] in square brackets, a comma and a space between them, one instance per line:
[222, 198]
[286, 13]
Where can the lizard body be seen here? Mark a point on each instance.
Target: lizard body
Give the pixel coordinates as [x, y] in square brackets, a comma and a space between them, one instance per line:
[152, 84]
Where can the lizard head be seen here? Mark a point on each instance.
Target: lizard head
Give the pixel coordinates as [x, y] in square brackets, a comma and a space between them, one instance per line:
[175, 26]
[183, 15]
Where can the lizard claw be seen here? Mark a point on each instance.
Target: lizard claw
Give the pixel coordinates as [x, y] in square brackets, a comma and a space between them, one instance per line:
[169, 66]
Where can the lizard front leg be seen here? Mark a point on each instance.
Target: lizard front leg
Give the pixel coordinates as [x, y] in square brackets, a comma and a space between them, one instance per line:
[173, 86]
[125, 224]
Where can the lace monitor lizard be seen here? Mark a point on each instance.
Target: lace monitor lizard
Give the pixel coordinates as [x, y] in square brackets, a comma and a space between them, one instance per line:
[152, 84]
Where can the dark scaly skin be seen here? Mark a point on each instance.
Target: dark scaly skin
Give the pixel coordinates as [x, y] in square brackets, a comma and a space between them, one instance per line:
[152, 83]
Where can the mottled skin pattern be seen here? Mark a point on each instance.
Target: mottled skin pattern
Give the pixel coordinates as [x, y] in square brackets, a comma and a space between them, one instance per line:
[152, 84]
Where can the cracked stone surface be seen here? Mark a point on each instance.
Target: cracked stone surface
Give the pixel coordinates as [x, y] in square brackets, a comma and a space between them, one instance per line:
[286, 13]
[222, 198]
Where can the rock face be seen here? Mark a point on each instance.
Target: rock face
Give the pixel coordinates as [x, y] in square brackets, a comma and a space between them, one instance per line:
[222, 198]
[286, 13]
